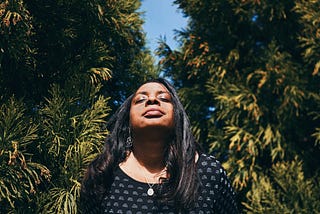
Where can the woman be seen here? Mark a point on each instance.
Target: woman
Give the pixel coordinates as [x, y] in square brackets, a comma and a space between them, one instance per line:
[152, 164]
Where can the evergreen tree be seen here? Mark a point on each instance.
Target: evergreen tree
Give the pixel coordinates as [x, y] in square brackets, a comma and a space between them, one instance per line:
[48, 42]
[248, 72]
[20, 172]
[71, 135]
[64, 66]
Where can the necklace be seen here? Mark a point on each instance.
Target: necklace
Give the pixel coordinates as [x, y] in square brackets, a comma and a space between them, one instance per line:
[150, 190]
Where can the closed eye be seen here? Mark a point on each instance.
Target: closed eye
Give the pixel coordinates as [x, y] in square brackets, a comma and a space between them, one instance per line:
[140, 100]
[164, 98]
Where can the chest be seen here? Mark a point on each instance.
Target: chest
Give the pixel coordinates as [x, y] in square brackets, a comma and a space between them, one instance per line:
[129, 196]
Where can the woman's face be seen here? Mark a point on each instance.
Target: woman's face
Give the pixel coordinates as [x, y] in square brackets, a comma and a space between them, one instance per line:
[151, 107]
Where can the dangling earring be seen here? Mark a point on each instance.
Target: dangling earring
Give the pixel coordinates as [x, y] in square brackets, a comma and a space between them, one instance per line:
[129, 141]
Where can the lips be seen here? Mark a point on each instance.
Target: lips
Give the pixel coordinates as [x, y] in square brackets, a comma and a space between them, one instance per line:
[153, 113]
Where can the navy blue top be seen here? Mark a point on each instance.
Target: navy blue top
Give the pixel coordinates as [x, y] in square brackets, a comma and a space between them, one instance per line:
[216, 195]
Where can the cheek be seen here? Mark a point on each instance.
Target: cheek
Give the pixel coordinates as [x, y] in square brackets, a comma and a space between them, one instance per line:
[172, 117]
[135, 116]
[132, 116]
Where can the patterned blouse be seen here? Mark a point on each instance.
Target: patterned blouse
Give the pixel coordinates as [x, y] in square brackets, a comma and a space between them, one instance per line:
[216, 195]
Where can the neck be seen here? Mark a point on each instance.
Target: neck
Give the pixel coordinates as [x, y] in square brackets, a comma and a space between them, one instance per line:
[146, 162]
[149, 154]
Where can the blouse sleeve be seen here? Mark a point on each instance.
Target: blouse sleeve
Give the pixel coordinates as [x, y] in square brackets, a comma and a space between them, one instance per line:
[225, 197]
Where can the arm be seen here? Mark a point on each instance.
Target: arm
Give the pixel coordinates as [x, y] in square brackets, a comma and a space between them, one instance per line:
[226, 197]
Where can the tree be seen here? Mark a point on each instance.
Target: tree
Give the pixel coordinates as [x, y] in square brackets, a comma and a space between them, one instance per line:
[68, 39]
[252, 69]
[17, 53]
[64, 66]
[20, 172]
[71, 136]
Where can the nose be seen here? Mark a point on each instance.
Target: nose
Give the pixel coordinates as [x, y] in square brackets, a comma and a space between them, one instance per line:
[152, 100]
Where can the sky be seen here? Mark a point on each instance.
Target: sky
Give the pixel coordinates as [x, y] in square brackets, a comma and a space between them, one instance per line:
[161, 19]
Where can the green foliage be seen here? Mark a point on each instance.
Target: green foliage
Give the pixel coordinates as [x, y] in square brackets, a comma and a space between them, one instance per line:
[63, 59]
[247, 72]
[248, 75]
[17, 52]
[63, 39]
[16, 30]
[72, 135]
[20, 173]
[256, 112]
[309, 37]
[286, 190]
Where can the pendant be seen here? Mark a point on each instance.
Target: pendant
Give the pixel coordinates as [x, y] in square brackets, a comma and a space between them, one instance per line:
[150, 192]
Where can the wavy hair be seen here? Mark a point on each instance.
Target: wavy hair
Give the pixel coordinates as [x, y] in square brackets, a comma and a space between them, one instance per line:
[181, 186]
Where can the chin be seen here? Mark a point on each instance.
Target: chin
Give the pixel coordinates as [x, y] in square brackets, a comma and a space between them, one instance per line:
[155, 127]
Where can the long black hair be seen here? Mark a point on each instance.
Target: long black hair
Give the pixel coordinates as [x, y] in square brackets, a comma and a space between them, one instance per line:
[180, 187]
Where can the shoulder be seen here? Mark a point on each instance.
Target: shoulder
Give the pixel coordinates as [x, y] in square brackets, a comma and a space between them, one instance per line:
[207, 161]
[215, 183]
[210, 169]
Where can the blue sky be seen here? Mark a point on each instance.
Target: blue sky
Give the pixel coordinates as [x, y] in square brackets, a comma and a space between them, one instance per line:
[161, 19]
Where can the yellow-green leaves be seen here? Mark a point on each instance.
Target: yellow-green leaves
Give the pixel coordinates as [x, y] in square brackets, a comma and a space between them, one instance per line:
[20, 174]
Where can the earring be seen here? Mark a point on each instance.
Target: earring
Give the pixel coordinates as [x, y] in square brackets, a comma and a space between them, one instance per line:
[129, 143]
[129, 140]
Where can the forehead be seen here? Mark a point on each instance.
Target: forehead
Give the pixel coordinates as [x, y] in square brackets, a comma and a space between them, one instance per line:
[152, 87]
